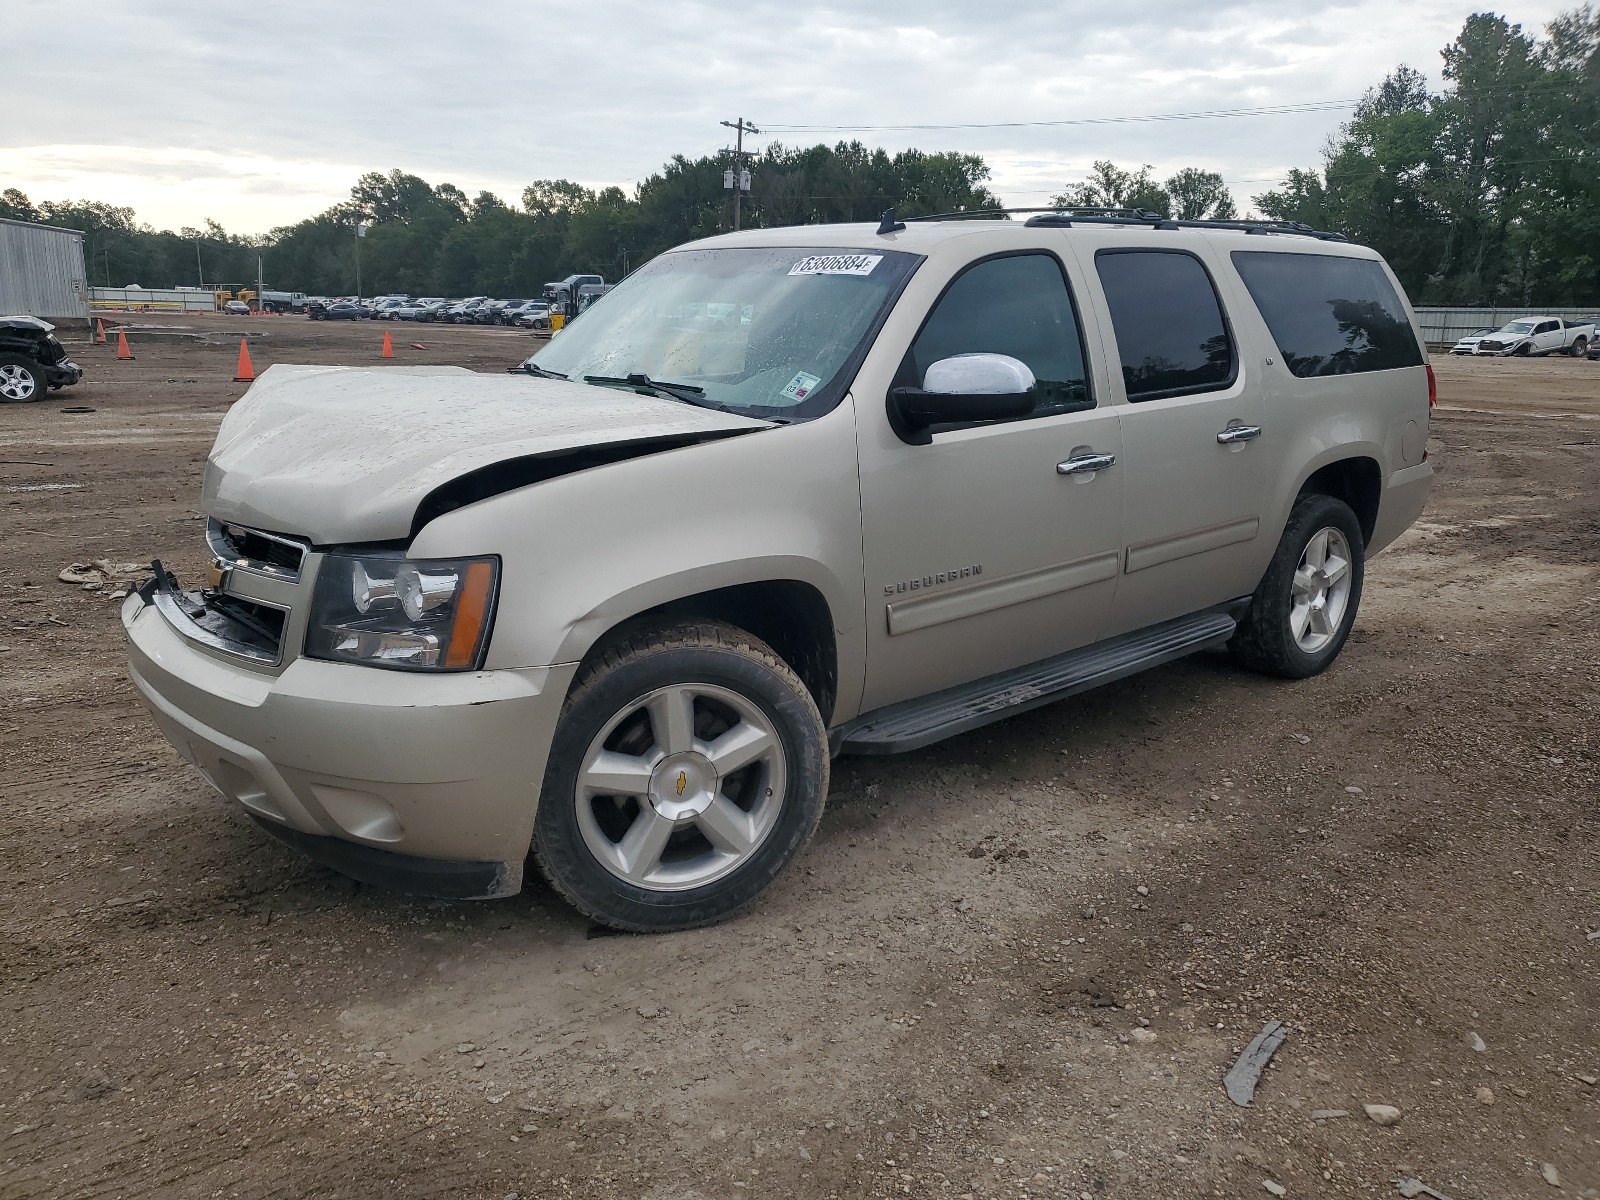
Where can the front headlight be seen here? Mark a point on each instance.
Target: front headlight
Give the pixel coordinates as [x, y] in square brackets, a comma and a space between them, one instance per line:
[408, 614]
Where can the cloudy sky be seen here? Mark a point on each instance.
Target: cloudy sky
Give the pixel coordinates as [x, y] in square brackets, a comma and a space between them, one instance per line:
[259, 114]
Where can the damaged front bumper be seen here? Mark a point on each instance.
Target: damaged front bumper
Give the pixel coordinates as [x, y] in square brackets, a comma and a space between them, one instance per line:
[63, 374]
[417, 782]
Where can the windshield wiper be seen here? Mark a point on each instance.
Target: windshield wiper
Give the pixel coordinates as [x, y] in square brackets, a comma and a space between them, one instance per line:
[672, 391]
[529, 368]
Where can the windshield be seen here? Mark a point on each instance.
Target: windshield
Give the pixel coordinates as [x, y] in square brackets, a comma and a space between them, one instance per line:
[769, 331]
[1518, 327]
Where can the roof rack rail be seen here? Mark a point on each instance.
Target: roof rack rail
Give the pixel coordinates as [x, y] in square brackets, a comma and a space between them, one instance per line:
[1066, 217]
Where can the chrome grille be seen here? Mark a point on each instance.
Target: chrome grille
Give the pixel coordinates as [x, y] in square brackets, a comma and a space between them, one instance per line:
[239, 547]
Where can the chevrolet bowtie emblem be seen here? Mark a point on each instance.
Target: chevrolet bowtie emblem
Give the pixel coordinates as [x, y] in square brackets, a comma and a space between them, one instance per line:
[683, 781]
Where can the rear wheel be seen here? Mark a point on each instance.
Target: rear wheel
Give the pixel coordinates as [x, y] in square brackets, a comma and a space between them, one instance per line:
[22, 380]
[1580, 347]
[689, 768]
[1306, 603]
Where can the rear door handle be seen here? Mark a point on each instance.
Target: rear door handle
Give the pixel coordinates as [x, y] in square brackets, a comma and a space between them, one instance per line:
[1238, 433]
[1085, 463]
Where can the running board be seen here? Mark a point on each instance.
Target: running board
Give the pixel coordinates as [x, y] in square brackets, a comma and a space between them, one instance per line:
[913, 724]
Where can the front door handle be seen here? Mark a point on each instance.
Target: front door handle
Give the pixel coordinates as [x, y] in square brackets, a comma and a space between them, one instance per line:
[1238, 433]
[1085, 463]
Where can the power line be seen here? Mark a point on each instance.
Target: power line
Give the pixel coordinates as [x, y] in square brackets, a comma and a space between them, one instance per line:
[1264, 111]
[1269, 110]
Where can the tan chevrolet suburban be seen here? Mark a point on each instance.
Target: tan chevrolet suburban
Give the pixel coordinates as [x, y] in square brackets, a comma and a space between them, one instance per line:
[783, 494]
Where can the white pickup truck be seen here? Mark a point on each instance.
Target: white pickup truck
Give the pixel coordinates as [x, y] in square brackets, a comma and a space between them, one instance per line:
[1535, 335]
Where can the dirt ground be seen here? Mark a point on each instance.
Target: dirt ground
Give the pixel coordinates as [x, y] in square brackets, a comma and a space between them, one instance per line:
[1017, 963]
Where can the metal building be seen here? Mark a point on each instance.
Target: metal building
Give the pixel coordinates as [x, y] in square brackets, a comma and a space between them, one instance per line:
[42, 272]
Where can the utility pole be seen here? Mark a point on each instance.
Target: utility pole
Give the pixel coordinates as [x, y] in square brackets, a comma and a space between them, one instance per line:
[200, 273]
[361, 232]
[261, 304]
[740, 181]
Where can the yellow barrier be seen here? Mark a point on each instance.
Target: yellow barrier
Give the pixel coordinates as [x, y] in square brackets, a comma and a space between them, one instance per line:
[557, 320]
[158, 306]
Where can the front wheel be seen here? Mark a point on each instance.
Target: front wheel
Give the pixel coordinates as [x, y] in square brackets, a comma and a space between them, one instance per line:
[1305, 605]
[689, 768]
[22, 380]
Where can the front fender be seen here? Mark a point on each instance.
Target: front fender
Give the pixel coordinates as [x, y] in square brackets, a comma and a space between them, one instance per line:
[581, 553]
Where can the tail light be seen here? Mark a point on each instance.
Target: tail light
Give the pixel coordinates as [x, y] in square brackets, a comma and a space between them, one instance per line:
[1433, 388]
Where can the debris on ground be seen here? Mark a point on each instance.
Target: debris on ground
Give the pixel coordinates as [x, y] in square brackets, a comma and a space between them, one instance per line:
[1382, 1114]
[95, 575]
[1243, 1076]
[1273, 1186]
[1410, 1188]
[1476, 1042]
[1550, 1175]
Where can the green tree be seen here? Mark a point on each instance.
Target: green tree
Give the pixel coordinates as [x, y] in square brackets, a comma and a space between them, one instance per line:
[1198, 195]
[1485, 192]
[1109, 186]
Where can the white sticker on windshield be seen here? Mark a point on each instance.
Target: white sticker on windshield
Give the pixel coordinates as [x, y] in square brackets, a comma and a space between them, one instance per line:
[800, 386]
[836, 264]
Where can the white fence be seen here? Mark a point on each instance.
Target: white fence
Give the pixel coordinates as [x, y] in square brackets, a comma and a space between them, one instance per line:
[156, 300]
[1447, 326]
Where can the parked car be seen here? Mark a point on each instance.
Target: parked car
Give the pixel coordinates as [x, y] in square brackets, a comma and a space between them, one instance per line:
[385, 310]
[881, 488]
[1469, 344]
[1537, 336]
[502, 310]
[32, 360]
[418, 310]
[462, 311]
[534, 314]
[237, 308]
[339, 310]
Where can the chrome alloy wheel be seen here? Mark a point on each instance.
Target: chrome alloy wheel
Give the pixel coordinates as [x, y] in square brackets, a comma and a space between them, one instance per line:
[681, 787]
[16, 383]
[1320, 590]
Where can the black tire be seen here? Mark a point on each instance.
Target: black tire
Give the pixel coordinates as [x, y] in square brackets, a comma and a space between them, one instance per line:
[1523, 351]
[22, 381]
[631, 667]
[1265, 640]
[1580, 348]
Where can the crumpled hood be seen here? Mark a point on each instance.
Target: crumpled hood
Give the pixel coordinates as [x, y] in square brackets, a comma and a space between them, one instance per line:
[345, 454]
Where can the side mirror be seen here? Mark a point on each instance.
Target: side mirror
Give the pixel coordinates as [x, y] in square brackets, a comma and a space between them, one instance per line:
[964, 387]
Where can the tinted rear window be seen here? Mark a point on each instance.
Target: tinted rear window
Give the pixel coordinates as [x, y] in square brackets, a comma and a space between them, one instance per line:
[1329, 315]
[1171, 334]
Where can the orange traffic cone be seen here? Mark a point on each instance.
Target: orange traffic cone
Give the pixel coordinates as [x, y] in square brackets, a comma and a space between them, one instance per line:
[246, 373]
[99, 331]
[122, 345]
[388, 346]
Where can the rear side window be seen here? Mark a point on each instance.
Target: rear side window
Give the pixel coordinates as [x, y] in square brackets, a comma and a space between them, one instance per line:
[1329, 315]
[1016, 305]
[1171, 334]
